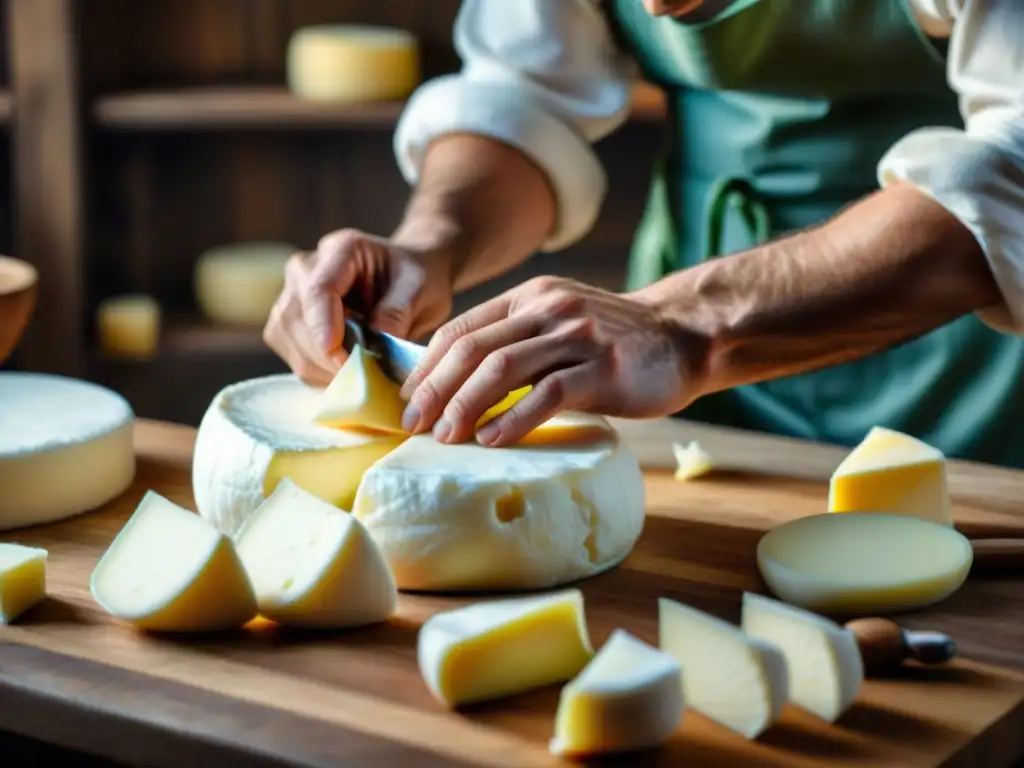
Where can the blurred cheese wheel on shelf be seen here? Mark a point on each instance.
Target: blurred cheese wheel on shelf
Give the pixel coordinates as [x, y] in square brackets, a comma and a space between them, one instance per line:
[239, 283]
[129, 326]
[353, 64]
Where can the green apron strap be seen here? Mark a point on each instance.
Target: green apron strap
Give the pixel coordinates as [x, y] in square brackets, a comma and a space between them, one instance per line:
[751, 206]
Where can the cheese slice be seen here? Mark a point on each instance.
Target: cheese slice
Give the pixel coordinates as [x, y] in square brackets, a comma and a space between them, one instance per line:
[892, 472]
[464, 517]
[65, 448]
[691, 460]
[738, 681]
[313, 565]
[362, 398]
[824, 662]
[503, 405]
[864, 564]
[494, 649]
[258, 432]
[129, 326]
[239, 283]
[170, 570]
[628, 697]
[22, 580]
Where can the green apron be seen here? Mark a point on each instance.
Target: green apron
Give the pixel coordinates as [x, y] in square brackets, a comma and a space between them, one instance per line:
[778, 112]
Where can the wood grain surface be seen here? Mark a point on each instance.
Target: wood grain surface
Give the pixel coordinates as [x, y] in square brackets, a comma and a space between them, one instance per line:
[264, 696]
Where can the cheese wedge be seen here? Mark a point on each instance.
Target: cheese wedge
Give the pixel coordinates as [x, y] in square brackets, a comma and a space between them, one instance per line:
[170, 570]
[892, 472]
[494, 649]
[736, 680]
[313, 565]
[628, 697]
[825, 667]
[362, 398]
[22, 580]
[691, 460]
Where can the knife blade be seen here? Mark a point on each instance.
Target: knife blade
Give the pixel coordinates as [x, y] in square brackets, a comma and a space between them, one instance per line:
[397, 357]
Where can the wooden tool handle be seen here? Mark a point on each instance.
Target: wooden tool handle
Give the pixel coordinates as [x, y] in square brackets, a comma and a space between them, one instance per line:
[884, 645]
[998, 554]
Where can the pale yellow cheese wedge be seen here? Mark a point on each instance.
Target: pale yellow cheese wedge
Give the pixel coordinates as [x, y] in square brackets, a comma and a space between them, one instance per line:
[691, 460]
[738, 681]
[170, 570]
[314, 565]
[628, 697]
[826, 671]
[361, 397]
[129, 326]
[864, 564]
[494, 649]
[892, 472]
[22, 579]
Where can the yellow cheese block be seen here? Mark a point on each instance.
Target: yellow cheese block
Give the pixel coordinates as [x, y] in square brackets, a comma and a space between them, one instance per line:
[129, 326]
[863, 564]
[628, 697]
[313, 565]
[239, 283]
[691, 461]
[361, 397]
[494, 649]
[892, 472]
[170, 570]
[350, 63]
[22, 579]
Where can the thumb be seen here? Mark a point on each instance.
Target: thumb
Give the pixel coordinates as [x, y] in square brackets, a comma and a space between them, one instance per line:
[394, 312]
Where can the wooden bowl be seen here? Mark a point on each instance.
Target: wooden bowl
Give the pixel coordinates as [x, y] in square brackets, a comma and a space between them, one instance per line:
[17, 299]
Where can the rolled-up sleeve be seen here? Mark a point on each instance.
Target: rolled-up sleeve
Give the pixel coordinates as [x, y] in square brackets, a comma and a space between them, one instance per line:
[978, 173]
[543, 76]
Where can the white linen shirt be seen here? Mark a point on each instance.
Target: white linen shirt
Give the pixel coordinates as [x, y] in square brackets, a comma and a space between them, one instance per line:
[546, 77]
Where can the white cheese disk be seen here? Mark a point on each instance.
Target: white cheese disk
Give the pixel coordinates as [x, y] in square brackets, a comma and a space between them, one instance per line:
[314, 565]
[65, 448]
[863, 564]
[825, 666]
[736, 680]
[628, 697]
[498, 648]
[464, 517]
[257, 432]
[691, 460]
[239, 283]
[22, 579]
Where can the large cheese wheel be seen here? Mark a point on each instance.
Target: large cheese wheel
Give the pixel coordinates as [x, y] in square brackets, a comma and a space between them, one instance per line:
[65, 448]
[565, 504]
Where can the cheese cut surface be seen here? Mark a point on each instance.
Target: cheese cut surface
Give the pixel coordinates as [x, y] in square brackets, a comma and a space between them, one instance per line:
[736, 680]
[826, 671]
[892, 472]
[628, 697]
[863, 564]
[129, 326]
[257, 433]
[65, 448]
[361, 397]
[239, 283]
[314, 565]
[493, 649]
[691, 460]
[170, 570]
[22, 579]
[352, 63]
[535, 515]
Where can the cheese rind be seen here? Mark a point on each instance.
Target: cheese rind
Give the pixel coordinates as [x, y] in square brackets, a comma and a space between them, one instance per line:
[691, 460]
[65, 448]
[239, 283]
[22, 579]
[314, 565]
[628, 697]
[892, 472]
[536, 515]
[736, 680]
[498, 648]
[169, 570]
[863, 564]
[129, 326]
[362, 398]
[826, 671]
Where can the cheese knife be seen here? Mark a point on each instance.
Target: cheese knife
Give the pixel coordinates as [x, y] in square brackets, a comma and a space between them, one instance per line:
[397, 357]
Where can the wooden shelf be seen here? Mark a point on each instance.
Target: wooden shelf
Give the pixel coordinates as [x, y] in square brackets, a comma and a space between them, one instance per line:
[6, 106]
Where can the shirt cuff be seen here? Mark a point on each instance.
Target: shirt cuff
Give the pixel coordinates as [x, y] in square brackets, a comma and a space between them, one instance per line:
[453, 104]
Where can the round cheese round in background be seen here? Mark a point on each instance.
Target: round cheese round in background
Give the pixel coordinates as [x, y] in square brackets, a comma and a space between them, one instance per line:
[129, 326]
[351, 63]
[65, 448]
[864, 563]
[239, 283]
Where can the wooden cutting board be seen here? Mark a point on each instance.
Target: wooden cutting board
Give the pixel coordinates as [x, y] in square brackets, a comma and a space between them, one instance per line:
[264, 696]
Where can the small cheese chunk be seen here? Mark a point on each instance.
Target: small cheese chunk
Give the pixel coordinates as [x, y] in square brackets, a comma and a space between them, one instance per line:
[691, 460]
[863, 564]
[170, 570]
[736, 680]
[503, 405]
[362, 398]
[313, 565]
[239, 283]
[22, 580]
[895, 473]
[129, 326]
[825, 667]
[629, 697]
[498, 648]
